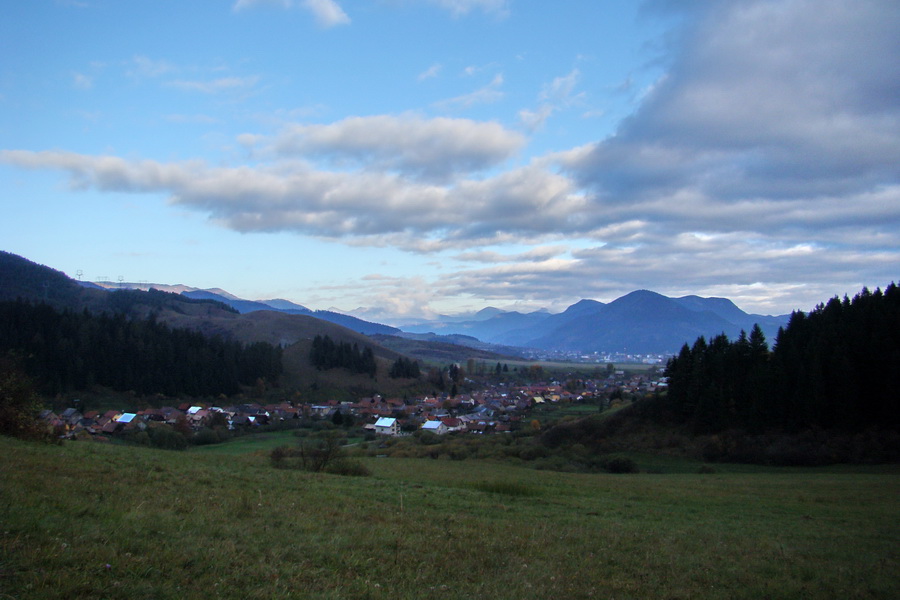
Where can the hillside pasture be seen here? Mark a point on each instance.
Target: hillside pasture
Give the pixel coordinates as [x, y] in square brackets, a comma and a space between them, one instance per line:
[87, 520]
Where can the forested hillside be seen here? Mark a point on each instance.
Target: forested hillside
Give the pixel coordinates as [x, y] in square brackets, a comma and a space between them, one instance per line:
[328, 354]
[837, 367]
[67, 350]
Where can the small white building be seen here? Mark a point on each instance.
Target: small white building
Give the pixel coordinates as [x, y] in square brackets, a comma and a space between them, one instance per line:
[387, 426]
[436, 426]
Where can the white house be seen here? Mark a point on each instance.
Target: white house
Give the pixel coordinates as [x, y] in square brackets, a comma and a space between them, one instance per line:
[387, 426]
[436, 426]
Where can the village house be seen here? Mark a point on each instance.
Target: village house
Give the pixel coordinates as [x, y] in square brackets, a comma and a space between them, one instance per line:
[322, 410]
[387, 426]
[435, 426]
[452, 424]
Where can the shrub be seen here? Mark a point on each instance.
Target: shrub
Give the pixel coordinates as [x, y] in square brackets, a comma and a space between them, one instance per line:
[167, 438]
[317, 454]
[19, 405]
[278, 456]
[533, 452]
[345, 466]
[459, 453]
[620, 464]
[204, 437]
[141, 438]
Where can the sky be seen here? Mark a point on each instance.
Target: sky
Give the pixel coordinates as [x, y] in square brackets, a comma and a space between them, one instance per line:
[407, 158]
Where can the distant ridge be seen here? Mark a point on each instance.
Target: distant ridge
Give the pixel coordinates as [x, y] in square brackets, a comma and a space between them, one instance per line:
[287, 307]
[248, 306]
[641, 322]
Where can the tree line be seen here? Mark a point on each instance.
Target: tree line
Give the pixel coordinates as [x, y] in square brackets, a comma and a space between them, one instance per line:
[328, 354]
[835, 368]
[405, 367]
[69, 350]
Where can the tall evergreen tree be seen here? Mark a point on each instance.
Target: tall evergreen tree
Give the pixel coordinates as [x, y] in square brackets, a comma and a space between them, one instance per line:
[835, 367]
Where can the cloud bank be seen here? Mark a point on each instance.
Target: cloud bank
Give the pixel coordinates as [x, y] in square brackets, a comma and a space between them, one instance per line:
[362, 207]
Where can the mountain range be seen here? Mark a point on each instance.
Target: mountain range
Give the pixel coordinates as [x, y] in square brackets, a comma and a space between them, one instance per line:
[641, 322]
[249, 306]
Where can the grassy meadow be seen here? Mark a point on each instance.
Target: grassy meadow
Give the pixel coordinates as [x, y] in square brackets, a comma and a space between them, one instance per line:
[91, 520]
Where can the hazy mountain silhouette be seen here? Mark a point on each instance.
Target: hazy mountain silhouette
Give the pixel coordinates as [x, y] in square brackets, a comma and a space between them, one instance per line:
[642, 322]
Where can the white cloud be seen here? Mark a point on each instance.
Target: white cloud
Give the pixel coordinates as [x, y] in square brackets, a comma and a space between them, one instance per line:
[430, 72]
[559, 92]
[144, 67]
[471, 70]
[556, 95]
[536, 254]
[242, 4]
[215, 86]
[437, 148]
[385, 296]
[327, 13]
[82, 81]
[363, 207]
[484, 95]
[463, 7]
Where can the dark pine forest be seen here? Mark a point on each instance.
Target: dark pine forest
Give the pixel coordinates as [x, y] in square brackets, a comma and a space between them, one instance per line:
[66, 350]
[326, 354]
[835, 368]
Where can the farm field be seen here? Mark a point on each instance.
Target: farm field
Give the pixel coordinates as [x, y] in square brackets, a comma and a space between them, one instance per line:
[88, 520]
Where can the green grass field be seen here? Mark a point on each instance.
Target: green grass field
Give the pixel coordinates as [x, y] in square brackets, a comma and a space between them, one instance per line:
[87, 520]
[254, 442]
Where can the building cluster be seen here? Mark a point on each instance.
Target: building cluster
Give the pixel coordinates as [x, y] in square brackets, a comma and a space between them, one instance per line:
[186, 418]
[497, 408]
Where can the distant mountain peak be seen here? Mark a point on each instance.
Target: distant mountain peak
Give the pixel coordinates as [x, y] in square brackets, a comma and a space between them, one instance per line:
[641, 295]
[488, 312]
[584, 303]
[281, 304]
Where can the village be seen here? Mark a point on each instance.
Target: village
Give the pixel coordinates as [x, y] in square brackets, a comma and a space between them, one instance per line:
[495, 408]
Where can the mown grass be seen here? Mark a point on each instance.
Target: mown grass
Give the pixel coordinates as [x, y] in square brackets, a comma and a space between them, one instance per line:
[103, 521]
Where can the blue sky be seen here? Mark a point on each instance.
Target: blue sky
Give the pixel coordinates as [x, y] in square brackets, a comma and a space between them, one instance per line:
[409, 157]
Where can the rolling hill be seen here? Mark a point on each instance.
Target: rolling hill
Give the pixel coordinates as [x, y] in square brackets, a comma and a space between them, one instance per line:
[642, 322]
[217, 313]
[209, 313]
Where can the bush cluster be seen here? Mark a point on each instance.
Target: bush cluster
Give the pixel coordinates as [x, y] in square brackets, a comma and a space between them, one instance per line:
[19, 405]
[318, 453]
[519, 448]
